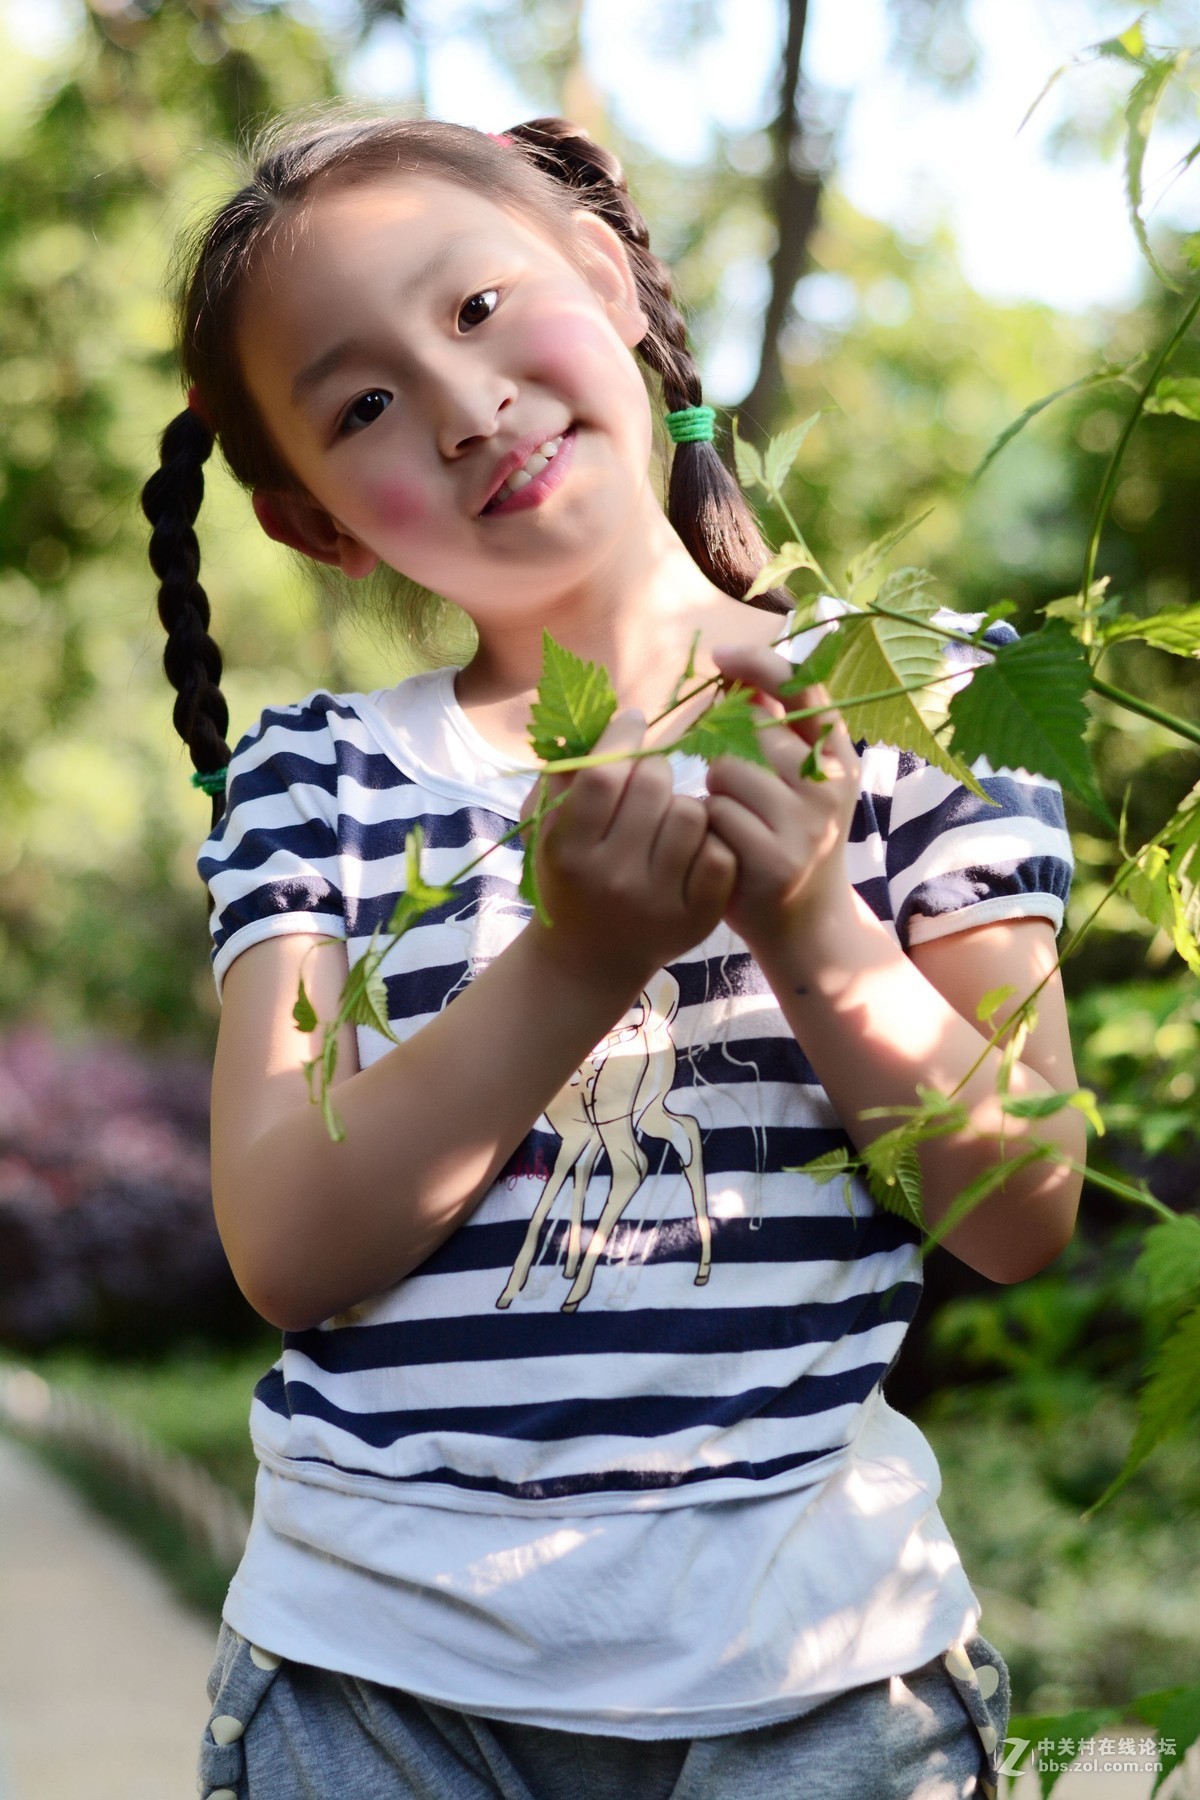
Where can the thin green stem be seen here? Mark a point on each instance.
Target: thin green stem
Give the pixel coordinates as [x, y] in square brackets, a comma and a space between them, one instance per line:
[1108, 486]
[1181, 727]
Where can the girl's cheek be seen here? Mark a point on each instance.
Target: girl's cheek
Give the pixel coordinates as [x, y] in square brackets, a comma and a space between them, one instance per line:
[395, 505]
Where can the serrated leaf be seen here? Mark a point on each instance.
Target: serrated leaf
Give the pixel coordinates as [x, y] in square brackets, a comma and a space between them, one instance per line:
[861, 566]
[528, 888]
[1176, 628]
[787, 559]
[1025, 710]
[304, 1011]
[1106, 372]
[1176, 394]
[1140, 109]
[364, 997]
[829, 1166]
[747, 461]
[1168, 1400]
[781, 453]
[575, 701]
[1169, 1261]
[992, 1001]
[894, 1177]
[728, 728]
[880, 654]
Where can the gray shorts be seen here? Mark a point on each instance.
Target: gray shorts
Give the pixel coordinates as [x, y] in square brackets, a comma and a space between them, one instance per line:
[288, 1731]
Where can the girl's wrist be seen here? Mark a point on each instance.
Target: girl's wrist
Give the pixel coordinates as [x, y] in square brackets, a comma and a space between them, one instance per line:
[608, 983]
[822, 942]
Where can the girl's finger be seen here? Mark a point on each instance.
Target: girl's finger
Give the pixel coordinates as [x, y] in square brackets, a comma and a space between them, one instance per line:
[595, 794]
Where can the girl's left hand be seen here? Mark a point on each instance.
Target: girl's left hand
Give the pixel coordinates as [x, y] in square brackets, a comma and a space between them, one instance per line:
[787, 830]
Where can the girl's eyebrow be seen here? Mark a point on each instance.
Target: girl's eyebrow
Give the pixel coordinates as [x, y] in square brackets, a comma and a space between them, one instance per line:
[315, 372]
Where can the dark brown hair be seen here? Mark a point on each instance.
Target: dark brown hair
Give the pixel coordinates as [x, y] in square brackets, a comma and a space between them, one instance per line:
[546, 169]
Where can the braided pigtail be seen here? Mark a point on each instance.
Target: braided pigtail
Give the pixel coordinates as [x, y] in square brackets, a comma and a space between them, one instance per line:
[170, 500]
[704, 502]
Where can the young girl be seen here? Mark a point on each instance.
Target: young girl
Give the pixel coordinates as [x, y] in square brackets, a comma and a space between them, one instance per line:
[576, 1472]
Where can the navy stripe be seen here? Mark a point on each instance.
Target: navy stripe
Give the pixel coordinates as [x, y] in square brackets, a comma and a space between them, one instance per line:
[300, 895]
[559, 1421]
[1018, 800]
[701, 1331]
[308, 841]
[773, 1240]
[376, 840]
[615, 1481]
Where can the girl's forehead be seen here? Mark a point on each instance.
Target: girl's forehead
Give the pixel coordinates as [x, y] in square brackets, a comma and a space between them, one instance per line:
[397, 210]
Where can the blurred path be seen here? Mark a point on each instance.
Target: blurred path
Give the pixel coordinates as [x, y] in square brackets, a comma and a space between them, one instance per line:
[102, 1670]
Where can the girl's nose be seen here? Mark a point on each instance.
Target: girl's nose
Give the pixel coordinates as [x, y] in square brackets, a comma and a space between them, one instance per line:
[471, 405]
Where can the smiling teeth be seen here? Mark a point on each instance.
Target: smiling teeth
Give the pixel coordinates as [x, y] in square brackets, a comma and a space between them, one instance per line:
[523, 476]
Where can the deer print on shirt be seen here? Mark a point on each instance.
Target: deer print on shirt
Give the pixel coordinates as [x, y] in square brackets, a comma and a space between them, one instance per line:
[617, 1097]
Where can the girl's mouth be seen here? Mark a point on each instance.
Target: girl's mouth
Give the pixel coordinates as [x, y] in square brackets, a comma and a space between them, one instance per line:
[541, 473]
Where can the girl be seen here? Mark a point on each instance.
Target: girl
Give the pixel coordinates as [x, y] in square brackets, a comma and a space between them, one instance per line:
[576, 1472]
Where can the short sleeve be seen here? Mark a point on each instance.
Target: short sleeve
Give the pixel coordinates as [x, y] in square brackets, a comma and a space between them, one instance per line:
[271, 865]
[947, 859]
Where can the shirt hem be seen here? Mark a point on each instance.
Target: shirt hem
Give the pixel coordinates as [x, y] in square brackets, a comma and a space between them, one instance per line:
[694, 1722]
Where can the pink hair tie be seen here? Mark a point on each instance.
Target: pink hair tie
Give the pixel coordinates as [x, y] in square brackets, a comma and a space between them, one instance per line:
[195, 404]
[499, 137]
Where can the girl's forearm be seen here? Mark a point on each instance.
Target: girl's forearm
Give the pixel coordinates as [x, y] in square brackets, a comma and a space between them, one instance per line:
[311, 1226]
[874, 1029]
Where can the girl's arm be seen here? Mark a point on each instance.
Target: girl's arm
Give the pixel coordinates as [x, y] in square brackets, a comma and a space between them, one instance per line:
[631, 878]
[874, 1022]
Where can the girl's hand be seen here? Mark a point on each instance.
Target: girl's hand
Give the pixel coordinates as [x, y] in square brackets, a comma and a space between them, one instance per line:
[629, 872]
[787, 830]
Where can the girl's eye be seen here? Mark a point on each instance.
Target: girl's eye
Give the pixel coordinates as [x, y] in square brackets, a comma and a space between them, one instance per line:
[353, 416]
[478, 308]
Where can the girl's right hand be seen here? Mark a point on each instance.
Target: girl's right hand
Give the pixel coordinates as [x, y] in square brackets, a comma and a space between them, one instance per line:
[629, 872]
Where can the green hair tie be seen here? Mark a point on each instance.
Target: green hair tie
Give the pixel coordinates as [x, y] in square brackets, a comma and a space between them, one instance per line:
[211, 780]
[691, 425]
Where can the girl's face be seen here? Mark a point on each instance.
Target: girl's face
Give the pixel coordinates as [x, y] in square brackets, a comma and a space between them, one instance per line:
[411, 346]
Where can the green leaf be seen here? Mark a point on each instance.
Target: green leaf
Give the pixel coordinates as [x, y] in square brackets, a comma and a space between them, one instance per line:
[1044, 1106]
[419, 896]
[1106, 372]
[1025, 710]
[1176, 394]
[860, 566]
[575, 701]
[528, 888]
[894, 1176]
[828, 1167]
[1180, 1725]
[881, 653]
[304, 1012]
[747, 462]
[1165, 884]
[1176, 628]
[728, 728]
[785, 561]
[1167, 1402]
[364, 997]
[977, 1191]
[781, 453]
[1128, 46]
[1169, 1262]
[992, 1001]
[816, 668]
[1140, 109]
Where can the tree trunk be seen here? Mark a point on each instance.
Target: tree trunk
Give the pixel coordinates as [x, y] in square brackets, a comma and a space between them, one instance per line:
[794, 195]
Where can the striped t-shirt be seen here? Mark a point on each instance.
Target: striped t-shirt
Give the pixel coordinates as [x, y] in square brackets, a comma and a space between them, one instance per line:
[693, 1362]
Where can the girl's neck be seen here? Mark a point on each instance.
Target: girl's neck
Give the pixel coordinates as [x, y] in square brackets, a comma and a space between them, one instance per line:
[636, 614]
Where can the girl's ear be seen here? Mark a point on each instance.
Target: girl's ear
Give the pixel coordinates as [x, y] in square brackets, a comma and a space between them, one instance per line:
[310, 529]
[607, 267]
